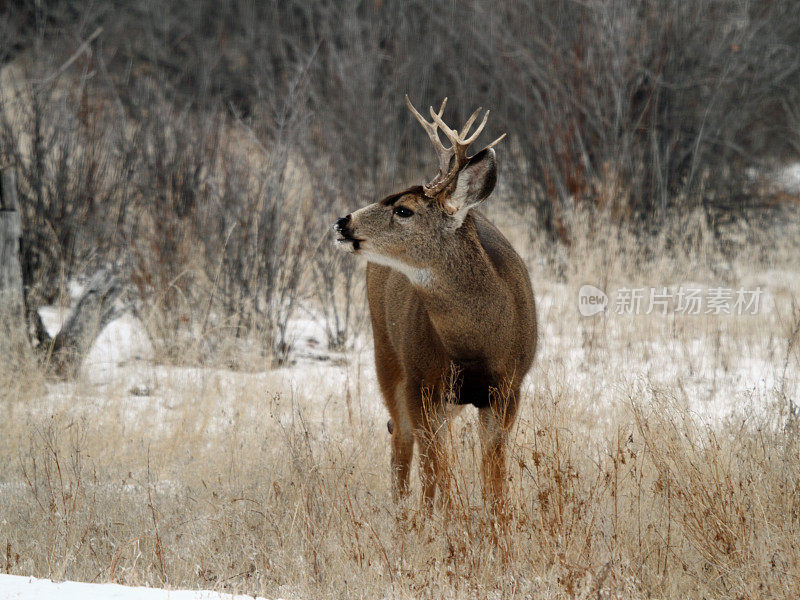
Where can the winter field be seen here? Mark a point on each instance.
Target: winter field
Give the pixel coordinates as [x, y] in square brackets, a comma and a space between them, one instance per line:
[656, 455]
[214, 429]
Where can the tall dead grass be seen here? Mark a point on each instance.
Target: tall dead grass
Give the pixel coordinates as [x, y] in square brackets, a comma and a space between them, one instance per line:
[621, 484]
[652, 504]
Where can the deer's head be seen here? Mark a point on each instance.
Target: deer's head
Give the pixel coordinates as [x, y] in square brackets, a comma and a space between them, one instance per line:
[408, 230]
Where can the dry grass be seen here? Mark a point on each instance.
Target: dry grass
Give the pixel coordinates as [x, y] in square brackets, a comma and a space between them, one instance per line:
[654, 457]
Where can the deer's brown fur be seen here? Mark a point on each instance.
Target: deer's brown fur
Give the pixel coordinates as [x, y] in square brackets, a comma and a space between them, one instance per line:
[453, 318]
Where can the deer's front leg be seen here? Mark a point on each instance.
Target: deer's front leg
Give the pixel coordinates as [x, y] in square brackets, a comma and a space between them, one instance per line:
[402, 453]
[428, 418]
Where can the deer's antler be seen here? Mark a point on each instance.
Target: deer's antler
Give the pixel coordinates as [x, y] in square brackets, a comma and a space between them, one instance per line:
[459, 143]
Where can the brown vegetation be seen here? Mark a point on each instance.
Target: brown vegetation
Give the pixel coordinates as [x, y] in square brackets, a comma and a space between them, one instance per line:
[620, 482]
[182, 145]
[202, 149]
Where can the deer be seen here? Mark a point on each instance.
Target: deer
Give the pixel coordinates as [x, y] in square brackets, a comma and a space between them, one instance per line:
[452, 310]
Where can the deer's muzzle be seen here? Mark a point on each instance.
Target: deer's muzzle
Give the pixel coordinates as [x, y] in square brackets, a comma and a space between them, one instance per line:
[345, 231]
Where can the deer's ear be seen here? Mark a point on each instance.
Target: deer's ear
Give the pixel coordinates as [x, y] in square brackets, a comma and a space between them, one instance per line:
[474, 183]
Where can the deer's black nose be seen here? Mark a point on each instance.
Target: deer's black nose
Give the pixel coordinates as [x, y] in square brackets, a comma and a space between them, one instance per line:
[342, 224]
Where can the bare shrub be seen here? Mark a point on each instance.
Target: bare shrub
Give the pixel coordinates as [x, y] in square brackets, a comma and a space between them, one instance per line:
[209, 226]
[338, 287]
[636, 110]
[337, 281]
[220, 246]
[74, 171]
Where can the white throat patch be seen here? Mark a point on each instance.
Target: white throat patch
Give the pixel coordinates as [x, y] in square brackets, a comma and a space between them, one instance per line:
[417, 276]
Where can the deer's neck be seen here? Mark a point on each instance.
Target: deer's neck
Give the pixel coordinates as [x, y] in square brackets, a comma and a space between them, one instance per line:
[464, 295]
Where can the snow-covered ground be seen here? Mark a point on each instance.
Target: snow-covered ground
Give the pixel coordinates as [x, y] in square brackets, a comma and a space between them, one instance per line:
[723, 368]
[719, 367]
[15, 587]
[786, 178]
[716, 367]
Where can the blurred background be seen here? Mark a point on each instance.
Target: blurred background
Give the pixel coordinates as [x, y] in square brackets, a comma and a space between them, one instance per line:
[202, 149]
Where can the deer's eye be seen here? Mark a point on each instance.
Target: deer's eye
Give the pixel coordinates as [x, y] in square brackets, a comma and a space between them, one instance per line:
[403, 212]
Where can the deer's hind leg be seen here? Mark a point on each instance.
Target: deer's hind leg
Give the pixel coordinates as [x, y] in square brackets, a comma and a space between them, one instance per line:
[496, 420]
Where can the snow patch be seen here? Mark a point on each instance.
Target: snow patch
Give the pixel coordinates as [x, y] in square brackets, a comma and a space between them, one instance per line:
[53, 318]
[788, 178]
[15, 587]
[122, 340]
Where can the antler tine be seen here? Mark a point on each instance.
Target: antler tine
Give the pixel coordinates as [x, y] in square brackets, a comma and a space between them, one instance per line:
[451, 134]
[442, 153]
[477, 131]
[441, 110]
[497, 141]
[468, 124]
[430, 128]
[457, 154]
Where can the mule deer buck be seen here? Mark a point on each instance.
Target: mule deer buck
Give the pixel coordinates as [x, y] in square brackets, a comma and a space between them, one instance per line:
[452, 309]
